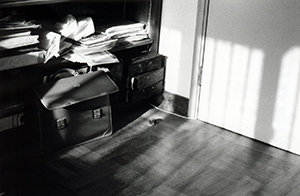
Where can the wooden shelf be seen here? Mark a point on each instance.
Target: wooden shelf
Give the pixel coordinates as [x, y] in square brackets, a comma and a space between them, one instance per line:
[16, 3]
[145, 42]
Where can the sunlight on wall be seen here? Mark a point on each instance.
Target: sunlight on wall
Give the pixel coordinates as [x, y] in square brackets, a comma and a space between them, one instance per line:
[251, 70]
[231, 87]
[228, 98]
[287, 108]
[173, 53]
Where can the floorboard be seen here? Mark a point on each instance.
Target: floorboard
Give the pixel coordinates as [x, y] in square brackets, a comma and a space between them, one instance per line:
[174, 156]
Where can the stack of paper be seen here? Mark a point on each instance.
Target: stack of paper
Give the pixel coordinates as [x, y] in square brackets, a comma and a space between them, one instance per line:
[126, 33]
[18, 44]
[94, 43]
[16, 33]
[75, 29]
[86, 46]
[98, 58]
[50, 42]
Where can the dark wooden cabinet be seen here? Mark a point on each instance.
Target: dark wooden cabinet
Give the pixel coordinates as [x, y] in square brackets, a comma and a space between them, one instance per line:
[16, 80]
[145, 76]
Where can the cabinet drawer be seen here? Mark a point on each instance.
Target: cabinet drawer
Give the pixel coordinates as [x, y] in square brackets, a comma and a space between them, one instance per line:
[144, 80]
[145, 63]
[135, 96]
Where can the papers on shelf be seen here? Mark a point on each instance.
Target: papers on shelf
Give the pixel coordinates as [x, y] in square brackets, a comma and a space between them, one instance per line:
[50, 42]
[120, 30]
[67, 27]
[93, 48]
[132, 37]
[85, 27]
[76, 30]
[95, 39]
[124, 31]
[16, 33]
[74, 39]
[98, 58]
[87, 46]
[19, 41]
[8, 23]
[55, 42]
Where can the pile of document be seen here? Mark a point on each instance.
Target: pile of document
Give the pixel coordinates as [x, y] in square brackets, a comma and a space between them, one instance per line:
[77, 41]
[125, 32]
[16, 33]
[19, 43]
[93, 50]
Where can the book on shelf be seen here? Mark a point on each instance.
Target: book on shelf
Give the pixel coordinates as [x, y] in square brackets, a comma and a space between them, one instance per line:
[19, 41]
[15, 33]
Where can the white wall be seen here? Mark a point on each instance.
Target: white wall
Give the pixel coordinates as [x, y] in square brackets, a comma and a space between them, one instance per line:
[176, 42]
[251, 76]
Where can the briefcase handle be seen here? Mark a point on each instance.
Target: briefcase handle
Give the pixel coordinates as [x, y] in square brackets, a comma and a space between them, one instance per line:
[63, 73]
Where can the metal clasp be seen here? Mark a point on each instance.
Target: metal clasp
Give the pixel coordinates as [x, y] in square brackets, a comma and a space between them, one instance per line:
[61, 123]
[97, 113]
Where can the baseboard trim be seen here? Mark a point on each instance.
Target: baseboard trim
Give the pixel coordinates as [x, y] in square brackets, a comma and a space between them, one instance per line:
[172, 103]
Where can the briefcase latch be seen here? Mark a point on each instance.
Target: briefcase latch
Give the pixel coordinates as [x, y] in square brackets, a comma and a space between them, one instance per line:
[61, 123]
[97, 113]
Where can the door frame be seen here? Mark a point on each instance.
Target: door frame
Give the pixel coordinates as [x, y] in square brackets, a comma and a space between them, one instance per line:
[198, 57]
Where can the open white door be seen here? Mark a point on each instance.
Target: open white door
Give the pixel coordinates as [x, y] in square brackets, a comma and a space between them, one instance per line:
[251, 70]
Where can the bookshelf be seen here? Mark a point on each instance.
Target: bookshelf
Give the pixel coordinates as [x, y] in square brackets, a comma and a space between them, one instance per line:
[16, 80]
[17, 3]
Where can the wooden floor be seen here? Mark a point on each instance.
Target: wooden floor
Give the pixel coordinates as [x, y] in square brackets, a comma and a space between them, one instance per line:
[172, 157]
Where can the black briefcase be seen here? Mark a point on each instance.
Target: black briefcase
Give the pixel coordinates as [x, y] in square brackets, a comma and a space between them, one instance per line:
[72, 110]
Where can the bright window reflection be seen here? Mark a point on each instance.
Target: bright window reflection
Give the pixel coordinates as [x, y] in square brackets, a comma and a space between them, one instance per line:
[231, 85]
[287, 110]
[173, 52]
